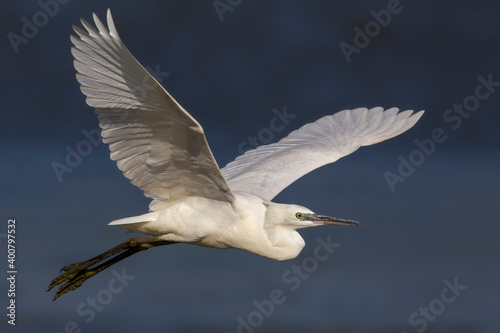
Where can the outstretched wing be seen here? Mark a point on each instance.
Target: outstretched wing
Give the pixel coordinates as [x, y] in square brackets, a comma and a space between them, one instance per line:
[157, 145]
[267, 170]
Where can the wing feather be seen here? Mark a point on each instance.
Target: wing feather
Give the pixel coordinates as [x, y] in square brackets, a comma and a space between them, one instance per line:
[157, 145]
[267, 170]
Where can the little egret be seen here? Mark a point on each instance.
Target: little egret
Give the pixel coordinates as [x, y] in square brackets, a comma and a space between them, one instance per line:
[161, 149]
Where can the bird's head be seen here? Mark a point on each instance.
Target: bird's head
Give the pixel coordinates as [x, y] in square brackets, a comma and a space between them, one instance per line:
[281, 224]
[297, 217]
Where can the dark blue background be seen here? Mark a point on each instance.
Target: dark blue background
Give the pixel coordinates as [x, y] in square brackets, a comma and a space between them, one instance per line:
[441, 223]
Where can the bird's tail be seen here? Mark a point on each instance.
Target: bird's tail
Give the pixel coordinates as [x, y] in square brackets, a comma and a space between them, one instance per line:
[149, 217]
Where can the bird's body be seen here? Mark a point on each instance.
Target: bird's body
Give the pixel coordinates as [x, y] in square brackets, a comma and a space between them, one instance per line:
[247, 223]
[162, 149]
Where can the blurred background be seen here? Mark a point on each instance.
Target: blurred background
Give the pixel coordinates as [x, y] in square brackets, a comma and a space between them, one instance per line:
[430, 218]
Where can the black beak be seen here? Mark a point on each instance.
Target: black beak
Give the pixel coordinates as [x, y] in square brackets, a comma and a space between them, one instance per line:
[324, 220]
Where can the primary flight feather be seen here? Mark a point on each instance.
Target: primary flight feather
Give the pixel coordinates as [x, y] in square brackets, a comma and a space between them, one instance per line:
[161, 149]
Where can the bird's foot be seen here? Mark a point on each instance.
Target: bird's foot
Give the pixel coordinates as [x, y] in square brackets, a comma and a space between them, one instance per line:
[78, 272]
[75, 275]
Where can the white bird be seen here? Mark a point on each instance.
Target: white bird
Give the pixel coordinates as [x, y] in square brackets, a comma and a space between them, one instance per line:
[161, 149]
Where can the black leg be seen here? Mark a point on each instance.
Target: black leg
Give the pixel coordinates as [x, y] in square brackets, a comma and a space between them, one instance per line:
[76, 274]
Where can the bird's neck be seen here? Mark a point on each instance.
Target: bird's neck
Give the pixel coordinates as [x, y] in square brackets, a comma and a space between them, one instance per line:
[260, 232]
[285, 243]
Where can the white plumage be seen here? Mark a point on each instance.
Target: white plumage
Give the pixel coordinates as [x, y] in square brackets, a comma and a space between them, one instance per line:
[160, 148]
[267, 170]
[151, 137]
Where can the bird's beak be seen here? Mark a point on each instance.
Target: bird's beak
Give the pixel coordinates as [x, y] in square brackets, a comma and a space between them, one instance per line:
[324, 220]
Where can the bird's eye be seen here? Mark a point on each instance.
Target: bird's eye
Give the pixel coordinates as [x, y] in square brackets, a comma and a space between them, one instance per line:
[299, 215]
